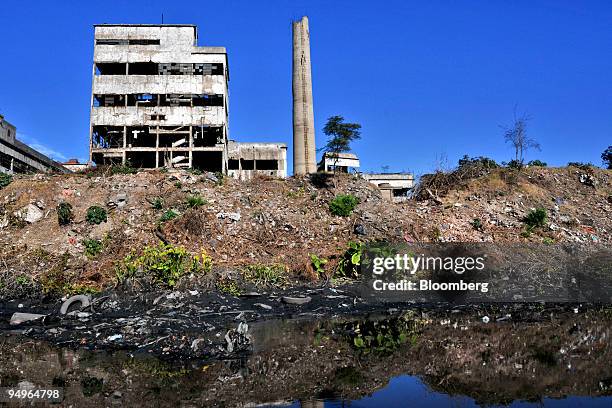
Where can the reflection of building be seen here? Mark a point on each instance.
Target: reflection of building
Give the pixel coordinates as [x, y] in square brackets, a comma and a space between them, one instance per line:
[160, 100]
[74, 165]
[17, 157]
[394, 186]
[246, 159]
[341, 162]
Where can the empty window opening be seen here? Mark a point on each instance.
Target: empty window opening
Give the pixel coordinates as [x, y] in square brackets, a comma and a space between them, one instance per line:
[142, 68]
[232, 164]
[207, 100]
[208, 161]
[247, 164]
[111, 41]
[110, 68]
[142, 100]
[107, 137]
[108, 100]
[208, 69]
[102, 159]
[207, 136]
[157, 117]
[140, 137]
[175, 100]
[174, 136]
[144, 41]
[175, 69]
[266, 165]
[141, 160]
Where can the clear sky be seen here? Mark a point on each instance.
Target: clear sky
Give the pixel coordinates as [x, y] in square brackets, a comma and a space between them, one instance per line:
[426, 79]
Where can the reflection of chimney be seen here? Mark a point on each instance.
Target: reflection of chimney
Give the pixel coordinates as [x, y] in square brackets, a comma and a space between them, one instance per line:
[304, 160]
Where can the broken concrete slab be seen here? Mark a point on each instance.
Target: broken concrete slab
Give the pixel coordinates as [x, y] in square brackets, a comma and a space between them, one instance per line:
[296, 300]
[19, 318]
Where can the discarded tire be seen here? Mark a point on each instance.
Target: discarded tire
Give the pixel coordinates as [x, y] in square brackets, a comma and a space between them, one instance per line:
[84, 299]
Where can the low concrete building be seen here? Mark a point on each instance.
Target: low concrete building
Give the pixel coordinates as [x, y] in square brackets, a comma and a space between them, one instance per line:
[394, 186]
[74, 165]
[248, 159]
[17, 157]
[341, 162]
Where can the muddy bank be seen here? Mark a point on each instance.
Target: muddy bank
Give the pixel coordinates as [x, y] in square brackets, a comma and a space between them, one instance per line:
[524, 352]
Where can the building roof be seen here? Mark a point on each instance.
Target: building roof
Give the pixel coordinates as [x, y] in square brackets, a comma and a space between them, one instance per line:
[340, 155]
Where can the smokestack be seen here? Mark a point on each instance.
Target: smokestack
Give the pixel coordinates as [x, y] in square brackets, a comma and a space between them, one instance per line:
[304, 155]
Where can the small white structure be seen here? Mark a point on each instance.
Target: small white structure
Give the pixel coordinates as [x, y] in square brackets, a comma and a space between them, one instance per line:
[394, 186]
[341, 162]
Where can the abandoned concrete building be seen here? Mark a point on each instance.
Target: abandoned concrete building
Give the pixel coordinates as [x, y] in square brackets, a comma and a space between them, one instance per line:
[394, 186]
[338, 162]
[160, 100]
[18, 157]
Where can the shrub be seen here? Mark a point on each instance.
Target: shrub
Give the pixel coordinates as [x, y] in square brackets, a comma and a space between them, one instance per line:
[343, 205]
[266, 275]
[123, 169]
[92, 247]
[478, 161]
[536, 218]
[606, 157]
[515, 164]
[318, 264]
[228, 287]
[537, 163]
[64, 214]
[5, 180]
[95, 215]
[220, 178]
[158, 203]
[477, 224]
[581, 165]
[350, 262]
[178, 185]
[195, 201]
[168, 215]
[164, 264]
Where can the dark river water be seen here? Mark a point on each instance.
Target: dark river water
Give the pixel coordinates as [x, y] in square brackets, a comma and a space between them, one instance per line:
[406, 360]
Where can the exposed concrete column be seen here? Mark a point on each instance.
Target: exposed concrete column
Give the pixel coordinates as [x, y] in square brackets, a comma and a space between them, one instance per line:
[157, 146]
[124, 157]
[191, 144]
[304, 155]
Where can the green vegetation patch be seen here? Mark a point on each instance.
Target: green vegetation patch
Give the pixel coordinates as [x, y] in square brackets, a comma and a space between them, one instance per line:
[64, 213]
[266, 275]
[164, 264]
[96, 215]
[349, 265]
[343, 205]
[5, 180]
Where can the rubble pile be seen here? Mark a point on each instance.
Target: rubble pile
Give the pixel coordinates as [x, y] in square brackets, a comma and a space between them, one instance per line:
[267, 220]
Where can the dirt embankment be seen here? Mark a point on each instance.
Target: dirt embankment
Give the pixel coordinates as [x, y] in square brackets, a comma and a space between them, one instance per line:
[272, 221]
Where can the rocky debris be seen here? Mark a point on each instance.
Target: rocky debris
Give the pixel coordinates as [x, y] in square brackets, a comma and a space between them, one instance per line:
[31, 213]
[588, 179]
[263, 306]
[19, 318]
[234, 216]
[296, 300]
[119, 201]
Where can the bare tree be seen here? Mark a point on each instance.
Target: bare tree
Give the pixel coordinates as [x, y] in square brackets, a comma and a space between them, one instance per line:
[516, 135]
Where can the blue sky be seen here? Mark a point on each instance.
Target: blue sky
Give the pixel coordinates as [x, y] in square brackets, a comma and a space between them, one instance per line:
[429, 81]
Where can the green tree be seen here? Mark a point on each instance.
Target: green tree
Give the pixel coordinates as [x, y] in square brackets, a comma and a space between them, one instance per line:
[606, 156]
[340, 135]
